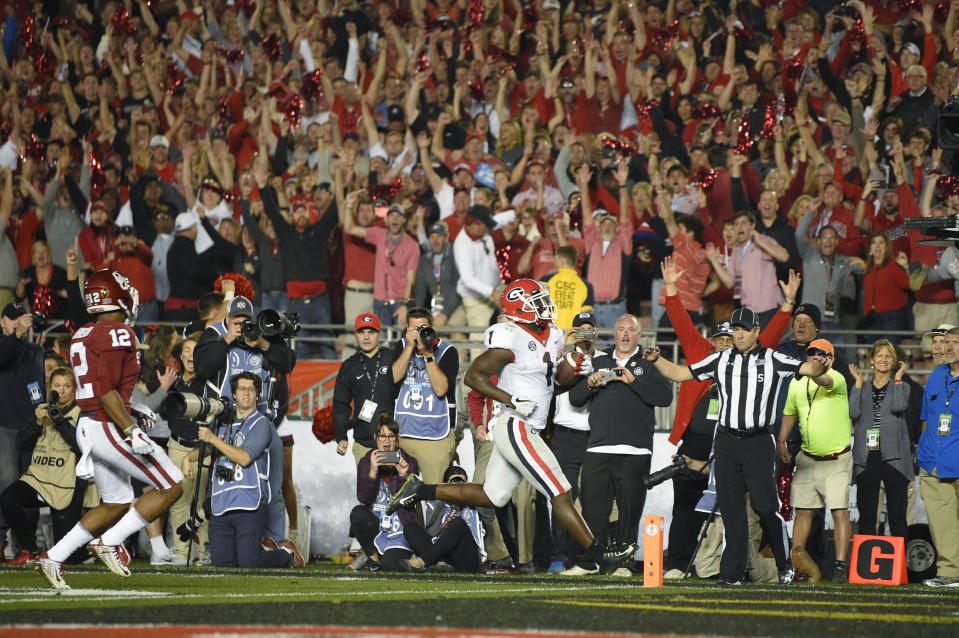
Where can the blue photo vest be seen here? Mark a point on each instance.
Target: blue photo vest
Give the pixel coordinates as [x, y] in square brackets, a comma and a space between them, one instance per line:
[420, 413]
[391, 527]
[250, 486]
[469, 516]
[243, 360]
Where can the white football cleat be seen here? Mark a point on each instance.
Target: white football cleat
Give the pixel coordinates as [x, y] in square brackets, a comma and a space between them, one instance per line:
[52, 571]
[115, 557]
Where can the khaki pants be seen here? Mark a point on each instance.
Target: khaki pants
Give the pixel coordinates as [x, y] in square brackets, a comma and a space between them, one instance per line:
[354, 304]
[359, 451]
[495, 547]
[478, 313]
[941, 497]
[760, 568]
[524, 497]
[180, 510]
[433, 457]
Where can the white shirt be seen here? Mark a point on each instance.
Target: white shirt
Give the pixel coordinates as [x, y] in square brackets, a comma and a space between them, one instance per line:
[530, 376]
[476, 263]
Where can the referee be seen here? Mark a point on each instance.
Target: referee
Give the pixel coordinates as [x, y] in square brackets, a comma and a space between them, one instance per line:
[748, 377]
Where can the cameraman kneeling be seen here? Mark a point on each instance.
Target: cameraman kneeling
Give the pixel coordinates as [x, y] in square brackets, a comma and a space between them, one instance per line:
[240, 490]
[379, 474]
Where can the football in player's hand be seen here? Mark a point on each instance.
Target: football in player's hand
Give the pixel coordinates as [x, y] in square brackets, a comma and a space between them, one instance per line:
[565, 374]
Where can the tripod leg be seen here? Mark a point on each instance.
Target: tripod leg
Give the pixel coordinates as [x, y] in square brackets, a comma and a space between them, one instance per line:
[196, 497]
[699, 540]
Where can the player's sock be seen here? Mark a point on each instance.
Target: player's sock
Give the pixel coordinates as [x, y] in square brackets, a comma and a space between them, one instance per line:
[426, 492]
[74, 540]
[158, 546]
[131, 523]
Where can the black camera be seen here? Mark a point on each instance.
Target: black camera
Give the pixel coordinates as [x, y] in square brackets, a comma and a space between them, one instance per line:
[54, 411]
[190, 529]
[184, 405]
[273, 323]
[428, 336]
[225, 470]
[250, 329]
[39, 321]
[678, 467]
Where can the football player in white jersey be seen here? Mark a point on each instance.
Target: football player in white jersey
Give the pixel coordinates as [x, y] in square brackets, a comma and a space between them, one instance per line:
[525, 353]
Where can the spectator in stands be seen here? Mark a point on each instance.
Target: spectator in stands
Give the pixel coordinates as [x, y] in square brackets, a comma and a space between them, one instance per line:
[608, 243]
[437, 277]
[569, 292]
[383, 538]
[881, 442]
[479, 285]
[886, 288]
[132, 258]
[752, 267]
[397, 258]
[359, 261]
[42, 286]
[191, 274]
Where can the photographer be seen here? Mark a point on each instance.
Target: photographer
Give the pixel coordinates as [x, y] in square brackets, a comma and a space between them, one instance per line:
[426, 366]
[619, 450]
[21, 390]
[50, 479]
[239, 489]
[236, 345]
[378, 476]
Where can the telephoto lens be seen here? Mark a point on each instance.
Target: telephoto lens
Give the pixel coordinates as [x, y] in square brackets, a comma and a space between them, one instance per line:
[427, 336]
[668, 472]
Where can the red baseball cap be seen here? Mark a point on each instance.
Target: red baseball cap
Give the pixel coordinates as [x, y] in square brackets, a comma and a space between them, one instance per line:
[367, 320]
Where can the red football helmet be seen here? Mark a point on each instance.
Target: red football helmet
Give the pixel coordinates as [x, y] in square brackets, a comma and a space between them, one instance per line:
[528, 301]
[108, 291]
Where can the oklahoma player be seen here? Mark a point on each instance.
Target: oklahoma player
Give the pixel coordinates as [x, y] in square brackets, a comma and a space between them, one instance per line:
[525, 353]
[114, 448]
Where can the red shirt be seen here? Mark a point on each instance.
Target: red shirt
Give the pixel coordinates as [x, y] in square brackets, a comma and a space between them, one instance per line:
[22, 231]
[886, 288]
[138, 268]
[843, 220]
[349, 117]
[105, 358]
[604, 118]
[544, 257]
[358, 257]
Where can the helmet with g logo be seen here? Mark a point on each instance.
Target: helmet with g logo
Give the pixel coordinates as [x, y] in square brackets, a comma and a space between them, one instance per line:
[528, 301]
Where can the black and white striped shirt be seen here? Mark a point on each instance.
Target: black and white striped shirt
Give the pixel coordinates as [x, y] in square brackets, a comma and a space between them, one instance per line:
[748, 384]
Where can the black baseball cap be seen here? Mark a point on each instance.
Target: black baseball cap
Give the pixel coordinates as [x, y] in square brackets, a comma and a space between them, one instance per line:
[13, 310]
[585, 317]
[722, 330]
[745, 318]
[812, 311]
[240, 307]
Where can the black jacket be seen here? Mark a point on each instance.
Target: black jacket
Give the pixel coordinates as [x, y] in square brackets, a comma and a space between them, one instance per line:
[21, 379]
[623, 414]
[306, 255]
[425, 287]
[271, 266]
[354, 385]
[191, 275]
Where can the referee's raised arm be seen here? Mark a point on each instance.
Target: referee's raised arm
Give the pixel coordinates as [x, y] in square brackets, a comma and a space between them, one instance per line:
[670, 370]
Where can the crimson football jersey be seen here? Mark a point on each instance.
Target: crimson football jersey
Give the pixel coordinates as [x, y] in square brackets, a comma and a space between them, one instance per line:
[105, 357]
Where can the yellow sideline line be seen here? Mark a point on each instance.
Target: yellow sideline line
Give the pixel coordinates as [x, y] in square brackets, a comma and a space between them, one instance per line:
[898, 618]
[784, 601]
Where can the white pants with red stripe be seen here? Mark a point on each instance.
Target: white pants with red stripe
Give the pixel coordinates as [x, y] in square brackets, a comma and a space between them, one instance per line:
[518, 453]
[114, 462]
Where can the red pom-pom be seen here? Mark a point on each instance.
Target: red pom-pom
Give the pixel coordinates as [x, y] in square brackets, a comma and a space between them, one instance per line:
[643, 109]
[46, 63]
[294, 111]
[858, 33]
[33, 149]
[122, 24]
[423, 62]
[476, 88]
[312, 87]
[272, 47]
[941, 11]
[173, 79]
[96, 176]
[707, 111]
[241, 285]
[769, 122]
[794, 67]
[704, 178]
[785, 493]
[623, 148]
[233, 56]
[475, 13]
[664, 36]
[323, 428]
[911, 5]
[386, 191]
[948, 186]
[502, 260]
[744, 142]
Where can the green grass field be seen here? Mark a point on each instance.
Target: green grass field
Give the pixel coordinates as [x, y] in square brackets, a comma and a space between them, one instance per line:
[382, 604]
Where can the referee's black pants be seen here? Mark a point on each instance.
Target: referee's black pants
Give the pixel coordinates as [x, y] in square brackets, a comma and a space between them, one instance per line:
[569, 447]
[609, 476]
[746, 465]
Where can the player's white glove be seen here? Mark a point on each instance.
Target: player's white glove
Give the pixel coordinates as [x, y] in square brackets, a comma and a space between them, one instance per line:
[145, 417]
[139, 441]
[524, 407]
[582, 363]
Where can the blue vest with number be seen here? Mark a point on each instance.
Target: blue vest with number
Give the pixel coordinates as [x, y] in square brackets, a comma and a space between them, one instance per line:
[420, 413]
[469, 516]
[250, 486]
[391, 527]
[243, 360]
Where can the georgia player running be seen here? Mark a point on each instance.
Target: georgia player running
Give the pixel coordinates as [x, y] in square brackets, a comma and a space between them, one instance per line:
[525, 353]
[114, 448]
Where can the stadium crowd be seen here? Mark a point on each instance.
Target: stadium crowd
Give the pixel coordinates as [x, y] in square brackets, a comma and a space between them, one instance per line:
[383, 161]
